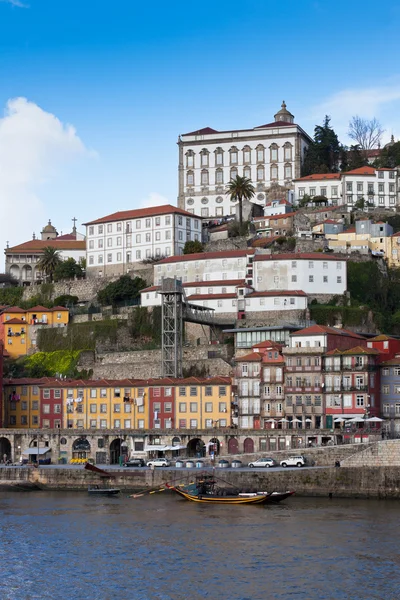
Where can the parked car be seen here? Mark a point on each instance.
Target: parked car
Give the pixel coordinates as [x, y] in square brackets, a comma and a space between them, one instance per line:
[293, 461]
[158, 462]
[262, 462]
[135, 462]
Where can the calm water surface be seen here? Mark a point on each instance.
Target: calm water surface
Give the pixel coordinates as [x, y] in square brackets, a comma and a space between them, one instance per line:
[55, 545]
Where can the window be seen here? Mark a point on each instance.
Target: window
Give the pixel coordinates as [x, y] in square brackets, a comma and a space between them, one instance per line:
[222, 390]
[260, 173]
[311, 278]
[208, 390]
[193, 391]
[222, 407]
[204, 177]
[35, 405]
[109, 258]
[46, 409]
[385, 389]
[46, 394]
[274, 172]
[359, 400]
[193, 423]
[100, 243]
[294, 278]
[100, 229]
[288, 171]
[325, 279]
[103, 408]
[208, 407]
[193, 407]
[260, 153]
[182, 407]
[91, 230]
[204, 158]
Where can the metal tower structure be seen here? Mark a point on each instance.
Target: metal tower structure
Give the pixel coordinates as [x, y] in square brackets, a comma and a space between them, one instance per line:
[171, 321]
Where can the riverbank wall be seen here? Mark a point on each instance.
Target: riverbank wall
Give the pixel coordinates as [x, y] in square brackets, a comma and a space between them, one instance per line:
[350, 482]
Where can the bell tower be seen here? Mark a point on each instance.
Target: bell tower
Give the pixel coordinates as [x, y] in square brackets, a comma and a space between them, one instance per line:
[284, 115]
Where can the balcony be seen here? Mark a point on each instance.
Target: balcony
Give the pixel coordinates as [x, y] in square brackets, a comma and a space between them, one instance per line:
[346, 388]
[273, 396]
[303, 389]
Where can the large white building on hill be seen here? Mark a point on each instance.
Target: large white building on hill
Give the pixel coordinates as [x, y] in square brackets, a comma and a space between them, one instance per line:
[117, 241]
[378, 187]
[247, 281]
[209, 159]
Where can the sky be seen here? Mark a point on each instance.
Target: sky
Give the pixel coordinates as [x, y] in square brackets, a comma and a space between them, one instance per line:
[94, 93]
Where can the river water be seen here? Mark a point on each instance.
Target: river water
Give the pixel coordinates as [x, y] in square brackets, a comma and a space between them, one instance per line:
[71, 546]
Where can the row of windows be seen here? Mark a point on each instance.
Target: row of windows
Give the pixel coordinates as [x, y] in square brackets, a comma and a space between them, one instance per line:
[300, 400]
[138, 239]
[387, 389]
[208, 407]
[127, 227]
[104, 408]
[193, 423]
[219, 175]
[139, 255]
[103, 424]
[381, 199]
[234, 155]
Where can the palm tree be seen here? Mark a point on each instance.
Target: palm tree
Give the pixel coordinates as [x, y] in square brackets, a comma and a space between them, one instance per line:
[49, 261]
[240, 189]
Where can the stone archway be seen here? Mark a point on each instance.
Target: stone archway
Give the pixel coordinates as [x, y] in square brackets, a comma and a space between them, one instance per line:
[248, 446]
[5, 448]
[80, 448]
[118, 448]
[214, 446]
[196, 447]
[233, 446]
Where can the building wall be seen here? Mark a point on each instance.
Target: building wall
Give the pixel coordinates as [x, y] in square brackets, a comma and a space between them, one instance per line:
[205, 194]
[21, 404]
[113, 246]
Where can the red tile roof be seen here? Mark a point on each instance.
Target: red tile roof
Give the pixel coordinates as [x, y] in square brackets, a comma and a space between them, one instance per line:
[58, 308]
[196, 284]
[299, 256]
[15, 309]
[203, 131]
[212, 296]
[138, 213]
[361, 171]
[38, 245]
[67, 236]
[381, 338]
[322, 329]
[393, 361]
[319, 176]
[268, 344]
[90, 383]
[360, 350]
[276, 293]
[276, 124]
[252, 357]
[38, 308]
[207, 256]
[15, 321]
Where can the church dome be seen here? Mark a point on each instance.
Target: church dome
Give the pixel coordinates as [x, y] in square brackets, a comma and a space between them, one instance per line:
[284, 115]
[49, 228]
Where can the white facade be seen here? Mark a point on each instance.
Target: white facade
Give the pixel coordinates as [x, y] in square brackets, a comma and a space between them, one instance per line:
[115, 242]
[379, 187]
[209, 159]
[277, 207]
[311, 273]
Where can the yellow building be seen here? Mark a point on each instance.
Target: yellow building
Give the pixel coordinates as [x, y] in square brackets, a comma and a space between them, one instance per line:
[21, 402]
[18, 327]
[104, 404]
[393, 250]
[203, 403]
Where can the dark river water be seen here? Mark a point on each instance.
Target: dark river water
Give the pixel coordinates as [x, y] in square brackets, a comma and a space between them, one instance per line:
[67, 545]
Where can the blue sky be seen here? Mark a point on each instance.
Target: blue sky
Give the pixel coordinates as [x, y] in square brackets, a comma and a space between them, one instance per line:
[129, 76]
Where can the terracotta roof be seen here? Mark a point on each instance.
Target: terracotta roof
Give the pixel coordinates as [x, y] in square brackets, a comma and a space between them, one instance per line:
[58, 308]
[212, 296]
[322, 329]
[268, 344]
[280, 202]
[392, 361]
[67, 236]
[333, 352]
[381, 338]
[276, 124]
[360, 350]
[299, 256]
[203, 131]
[361, 171]
[332, 222]
[252, 357]
[274, 217]
[319, 176]
[207, 256]
[15, 321]
[15, 309]
[38, 308]
[276, 293]
[138, 213]
[38, 245]
[263, 241]
[196, 284]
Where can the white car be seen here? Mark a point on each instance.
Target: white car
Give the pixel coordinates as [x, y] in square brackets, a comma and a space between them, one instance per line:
[293, 461]
[262, 462]
[158, 462]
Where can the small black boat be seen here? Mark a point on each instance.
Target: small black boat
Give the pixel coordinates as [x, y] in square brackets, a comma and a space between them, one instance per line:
[101, 490]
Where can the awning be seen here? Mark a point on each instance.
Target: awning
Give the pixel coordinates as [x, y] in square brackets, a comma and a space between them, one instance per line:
[155, 448]
[36, 451]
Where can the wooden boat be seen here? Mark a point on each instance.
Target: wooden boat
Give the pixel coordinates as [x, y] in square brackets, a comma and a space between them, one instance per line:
[206, 491]
[100, 490]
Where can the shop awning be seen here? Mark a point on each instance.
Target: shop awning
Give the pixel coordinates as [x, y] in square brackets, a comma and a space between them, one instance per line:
[36, 451]
[155, 448]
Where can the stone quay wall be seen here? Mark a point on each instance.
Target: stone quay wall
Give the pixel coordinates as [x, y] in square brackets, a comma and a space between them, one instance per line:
[382, 454]
[355, 482]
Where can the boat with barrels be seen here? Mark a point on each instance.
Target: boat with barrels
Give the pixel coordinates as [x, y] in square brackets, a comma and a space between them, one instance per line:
[205, 489]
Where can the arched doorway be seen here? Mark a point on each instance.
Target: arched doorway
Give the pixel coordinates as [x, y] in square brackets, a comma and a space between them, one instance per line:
[27, 273]
[233, 446]
[196, 447]
[116, 450]
[248, 446]
[80, 448]
[214, 446]
[5, 448]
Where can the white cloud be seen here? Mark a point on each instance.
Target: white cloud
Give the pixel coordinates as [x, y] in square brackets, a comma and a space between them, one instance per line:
[17, 3]
[382, 102]
[34, 145]
[154, 199]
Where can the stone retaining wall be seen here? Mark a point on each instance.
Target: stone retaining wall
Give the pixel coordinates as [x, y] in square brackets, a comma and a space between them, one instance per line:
[385, 453]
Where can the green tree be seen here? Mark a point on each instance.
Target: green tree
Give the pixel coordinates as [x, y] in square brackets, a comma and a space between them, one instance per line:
[323, 154]
[68, 269]
[389, 157]
[319, 200]
[66, 300]
[49, 261]
[193, 247]
[120, 291]
[355, 158]
[360, 204]
[240, 189]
